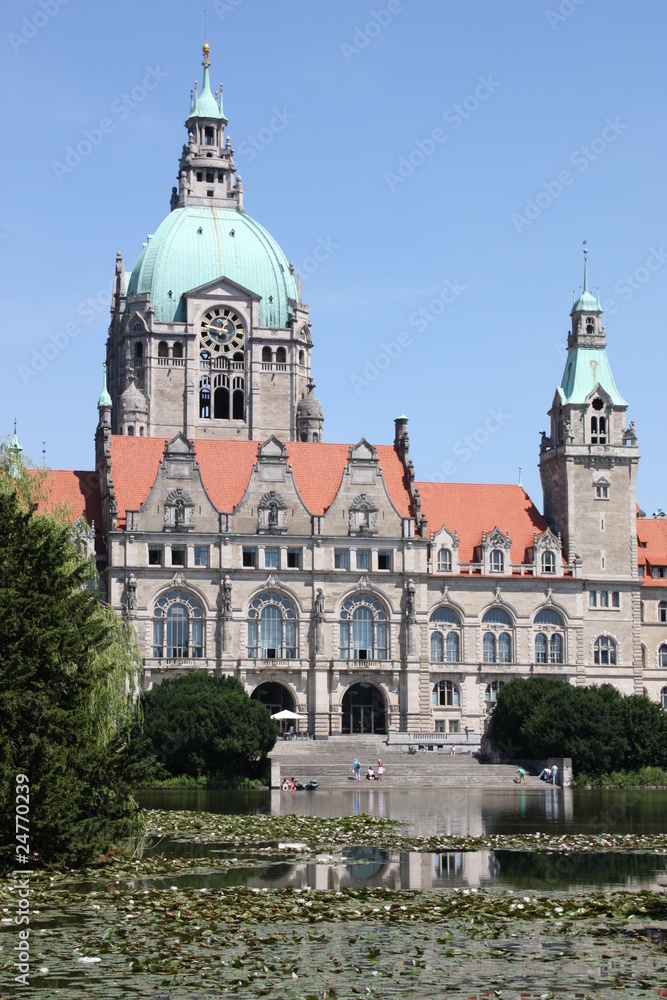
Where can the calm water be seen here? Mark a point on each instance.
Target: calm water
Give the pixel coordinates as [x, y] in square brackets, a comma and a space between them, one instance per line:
[427, 812]
[448, 811]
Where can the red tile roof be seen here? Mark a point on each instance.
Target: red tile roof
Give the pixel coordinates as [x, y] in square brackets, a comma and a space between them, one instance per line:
[79, 491]
[652, 539]
[471, 508]
[226, 467]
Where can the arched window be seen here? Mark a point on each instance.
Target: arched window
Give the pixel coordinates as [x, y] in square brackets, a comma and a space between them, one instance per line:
[446, 693]
[447, 643]
[662, 611]
[452, 648]
[302, 357]
[604, 651]
[491, 693]
[271, 628]
[363, 633]
[549, 644]
[238, 398]
[221, 402]
[548, 562]
[662, 656]
[178, 631]
[178, 350]
[496, 616]
[205, 397]
[663, 698]
[444, 561]
[504, 648]
[489, 647]
[643, 655]
[281, 356]
[138, 353]
[163, 349]
[497, 561]
[267, 356]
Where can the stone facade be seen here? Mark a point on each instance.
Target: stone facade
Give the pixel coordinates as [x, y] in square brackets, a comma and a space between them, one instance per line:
[326, 577]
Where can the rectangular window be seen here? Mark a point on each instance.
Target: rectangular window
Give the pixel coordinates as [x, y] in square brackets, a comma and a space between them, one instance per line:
[340, 559]
[294, 558]
[453, 725]
[271, 558]
[210, 177]
[615, 599]
[201, 555]
[158, 638]
[601, 491]
[196, 633]
[209, 135]
[592, 599]
[604, 599]
[178, 555]
[384, 560]
[363, 559]
[154, 555]
[640, 570]
[250, 558]
[439, 725]
[252, 640]
[344, 640]
[200, 175]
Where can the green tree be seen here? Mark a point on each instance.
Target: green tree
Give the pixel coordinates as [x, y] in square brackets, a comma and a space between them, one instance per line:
[201, 726]
[68, 673]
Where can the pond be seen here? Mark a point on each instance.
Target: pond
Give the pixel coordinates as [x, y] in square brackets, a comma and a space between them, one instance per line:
[314, 896]
[447, 811]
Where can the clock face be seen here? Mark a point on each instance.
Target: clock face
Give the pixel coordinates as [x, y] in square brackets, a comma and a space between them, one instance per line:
[221, 330]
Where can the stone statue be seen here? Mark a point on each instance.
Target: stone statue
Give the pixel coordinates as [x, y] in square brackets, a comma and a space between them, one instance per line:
[410, 601]
[227, 595]
[319, 604]
[131, 583]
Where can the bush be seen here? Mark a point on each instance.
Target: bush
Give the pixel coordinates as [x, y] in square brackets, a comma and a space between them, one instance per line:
[598, 727]
[199, 725]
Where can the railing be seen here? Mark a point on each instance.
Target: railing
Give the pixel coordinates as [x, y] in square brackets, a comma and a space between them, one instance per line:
[171, 362]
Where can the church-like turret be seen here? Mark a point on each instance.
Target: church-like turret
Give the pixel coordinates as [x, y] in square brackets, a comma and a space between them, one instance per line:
[588, 461]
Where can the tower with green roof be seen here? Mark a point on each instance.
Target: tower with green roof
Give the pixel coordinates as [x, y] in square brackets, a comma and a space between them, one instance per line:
[588, 462]
[208, 335]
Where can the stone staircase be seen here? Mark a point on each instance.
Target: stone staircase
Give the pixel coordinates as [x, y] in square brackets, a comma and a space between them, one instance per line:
[330, 761]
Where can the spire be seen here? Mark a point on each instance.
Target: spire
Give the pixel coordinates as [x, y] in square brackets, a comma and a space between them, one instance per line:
[15, 460]
[105, 398]
[204, 104]
[586, 302]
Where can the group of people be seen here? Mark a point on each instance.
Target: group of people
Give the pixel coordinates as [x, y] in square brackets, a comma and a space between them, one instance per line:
[371, 775]
[548, 774]
[289, 785]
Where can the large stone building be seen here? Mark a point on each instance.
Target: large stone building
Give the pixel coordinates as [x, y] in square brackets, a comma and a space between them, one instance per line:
[327, 577]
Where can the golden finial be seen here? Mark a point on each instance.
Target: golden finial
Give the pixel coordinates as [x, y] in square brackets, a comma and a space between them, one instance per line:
[206, 48]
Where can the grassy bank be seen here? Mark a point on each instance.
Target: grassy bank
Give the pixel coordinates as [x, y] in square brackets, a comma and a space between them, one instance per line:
[207, 781]
[645, 777]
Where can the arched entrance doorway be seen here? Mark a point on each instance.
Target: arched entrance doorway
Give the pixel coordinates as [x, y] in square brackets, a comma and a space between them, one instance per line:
[364, 710]
[275, 696]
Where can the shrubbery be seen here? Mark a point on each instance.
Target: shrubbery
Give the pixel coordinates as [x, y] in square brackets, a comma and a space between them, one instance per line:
[598, 727]
[204, 726]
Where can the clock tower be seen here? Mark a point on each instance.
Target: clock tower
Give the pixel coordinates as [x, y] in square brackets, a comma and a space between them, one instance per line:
[208, 334]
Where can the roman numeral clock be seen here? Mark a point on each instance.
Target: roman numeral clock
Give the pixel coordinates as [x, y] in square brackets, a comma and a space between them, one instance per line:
[221, 330]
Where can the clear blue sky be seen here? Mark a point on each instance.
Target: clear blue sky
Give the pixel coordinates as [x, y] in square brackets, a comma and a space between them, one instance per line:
[338, 96]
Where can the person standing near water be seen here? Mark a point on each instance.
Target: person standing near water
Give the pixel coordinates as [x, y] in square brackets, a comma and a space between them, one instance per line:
[380, 769]
[554, 775]
[357, 770]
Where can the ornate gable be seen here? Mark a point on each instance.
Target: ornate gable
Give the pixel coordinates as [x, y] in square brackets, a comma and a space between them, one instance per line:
[272, 513]
[363, 515]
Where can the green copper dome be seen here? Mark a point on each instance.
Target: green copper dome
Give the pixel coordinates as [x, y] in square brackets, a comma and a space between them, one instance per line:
[198, 244]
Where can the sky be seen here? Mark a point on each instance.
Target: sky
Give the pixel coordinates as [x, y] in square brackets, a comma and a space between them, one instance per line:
[432, 169]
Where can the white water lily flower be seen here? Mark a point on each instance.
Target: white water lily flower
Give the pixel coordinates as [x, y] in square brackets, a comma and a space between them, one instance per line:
[44, 969]
[88, 961]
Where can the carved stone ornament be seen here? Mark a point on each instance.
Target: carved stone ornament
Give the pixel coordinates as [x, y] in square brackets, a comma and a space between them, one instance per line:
[179, 511]
[272, 513]
[131, 584]
[273, 581]
[446, 597]
[363, 515]
[318, 605]
[364, 582]
[547, 540]
[496, 540]
[410, 601]
[178, 579]
[497, 596]
[227, 596]
[549, 596]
